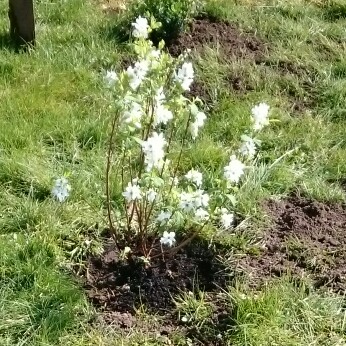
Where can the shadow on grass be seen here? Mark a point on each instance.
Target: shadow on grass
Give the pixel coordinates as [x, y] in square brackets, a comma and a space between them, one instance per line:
[7, 43]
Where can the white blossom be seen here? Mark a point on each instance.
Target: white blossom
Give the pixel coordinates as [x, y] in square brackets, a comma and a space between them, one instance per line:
[248, 146]
[162, 115]
[168, 238]
[160, 96]
[140, 27]
[185, 76]
[201, 199]
[194, 130]
[151, 195]
[190, 201]
[197, 124]
[132, 192]
[186, 201]
[134, 114]
[227, 218]
[201, 214]
[234, 170]
[155, 53]
[153, 151]
[61, 189]
[194, 176]
[154, 57]
[163, 216]
[200, 119]
[137, 73]
[260, 116]
[110, 78]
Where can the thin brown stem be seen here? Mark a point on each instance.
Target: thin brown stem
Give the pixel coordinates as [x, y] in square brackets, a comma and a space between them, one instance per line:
[108, 169]
[180, 153]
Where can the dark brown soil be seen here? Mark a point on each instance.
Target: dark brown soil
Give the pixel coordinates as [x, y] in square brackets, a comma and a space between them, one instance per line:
[289, 67]
[122, 286]
[200, 90]
[308, 239]
[238, 84]
[212, 32]
[232, 43]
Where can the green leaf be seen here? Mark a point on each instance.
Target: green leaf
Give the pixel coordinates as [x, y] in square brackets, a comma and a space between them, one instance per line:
[138, 140]
[157, 181]
[232, 199]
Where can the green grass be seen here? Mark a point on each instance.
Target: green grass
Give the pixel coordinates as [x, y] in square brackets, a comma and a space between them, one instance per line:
[54, 113]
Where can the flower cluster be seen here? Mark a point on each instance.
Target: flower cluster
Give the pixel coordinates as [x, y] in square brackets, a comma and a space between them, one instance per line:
[260, 116]
[61, 189]
[137, 73]
[185, 76]
[140, 28]
[132, 192]
[153, 149]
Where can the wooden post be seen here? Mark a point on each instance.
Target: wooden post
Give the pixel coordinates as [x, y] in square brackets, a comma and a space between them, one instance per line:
[22, 21]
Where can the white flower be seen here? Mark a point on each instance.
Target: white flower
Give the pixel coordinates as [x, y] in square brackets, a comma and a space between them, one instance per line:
[187, 201]
[199, 122]
[160, 96]
[154, 57]
[201, 199]
[163, 216]
[155, 53]
[227, 218]
[61, 189]
[132, 192]
[168, 238]
[201, 214]
[137, 73]
[185, 76]
[111, 78]
[153, 151]
[194, 130]
[140, 27]
[190, 201]
[151, 195]
[162, 115]
[134, 114]
[260, 116]
[87, 242]
[248, 147]
[184, 319]
[200, 119]
[194, 176]
[234, 170]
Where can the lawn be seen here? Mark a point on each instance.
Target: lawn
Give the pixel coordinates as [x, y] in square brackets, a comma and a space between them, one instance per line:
[55, 112]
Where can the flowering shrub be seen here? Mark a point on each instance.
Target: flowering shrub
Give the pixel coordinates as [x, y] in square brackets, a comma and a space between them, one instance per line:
[160, 201]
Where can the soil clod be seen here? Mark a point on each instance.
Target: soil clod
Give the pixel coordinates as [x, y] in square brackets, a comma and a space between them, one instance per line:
[308, 238]
[209, 31]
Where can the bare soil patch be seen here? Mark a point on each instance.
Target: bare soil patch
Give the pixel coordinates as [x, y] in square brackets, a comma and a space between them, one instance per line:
[231, 42]
[116, 285]
[210, 31]
[307, 239]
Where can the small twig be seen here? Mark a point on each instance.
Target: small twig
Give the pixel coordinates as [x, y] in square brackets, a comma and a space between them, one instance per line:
[108, 169]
